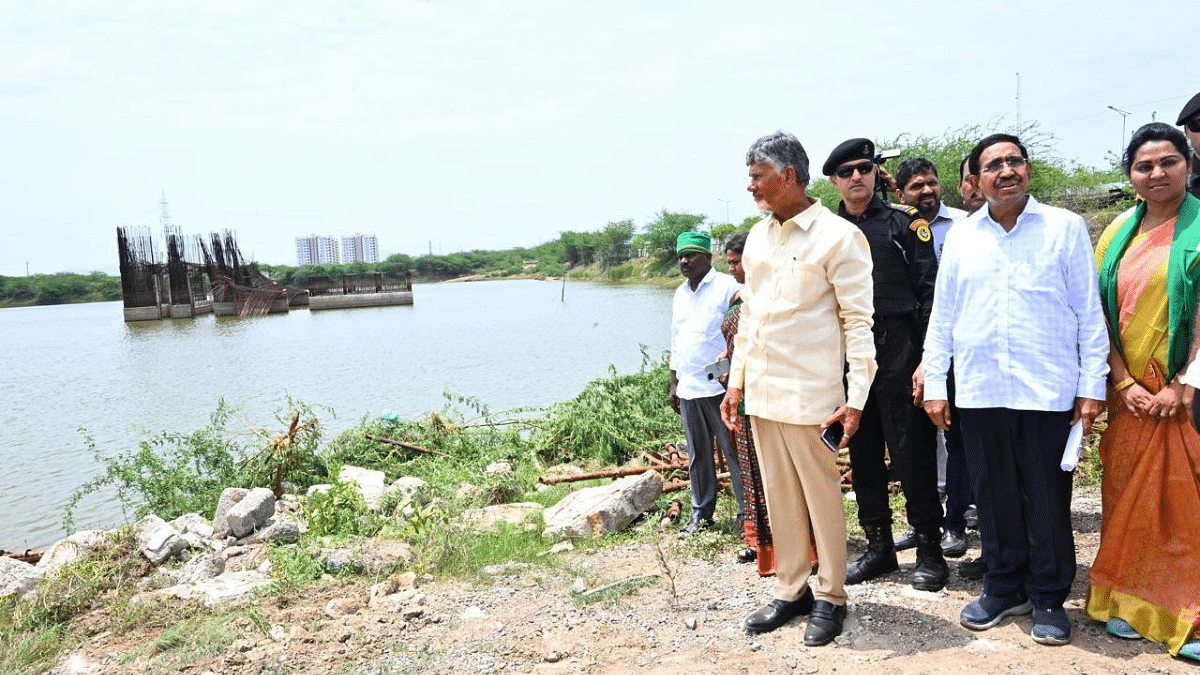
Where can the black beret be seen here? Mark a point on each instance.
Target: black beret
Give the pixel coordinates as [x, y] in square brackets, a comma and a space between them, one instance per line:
[1189, 111]
[848, 151]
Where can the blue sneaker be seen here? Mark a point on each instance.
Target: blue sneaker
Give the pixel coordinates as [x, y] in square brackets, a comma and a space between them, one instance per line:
[1121, 628]
[989, 610]
[1051, 626]
[1191, 649]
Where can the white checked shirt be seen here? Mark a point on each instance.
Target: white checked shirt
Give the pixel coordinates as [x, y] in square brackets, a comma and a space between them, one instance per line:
[940, 225]
[1019, 312]
[696, 338]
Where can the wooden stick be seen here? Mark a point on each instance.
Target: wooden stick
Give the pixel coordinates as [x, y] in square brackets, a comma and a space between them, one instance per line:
[409, 446]
[609, 473]
[722, 482]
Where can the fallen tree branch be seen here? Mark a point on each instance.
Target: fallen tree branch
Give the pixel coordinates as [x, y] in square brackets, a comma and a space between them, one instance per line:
[609, 473]
[408, 446]
[722, 483]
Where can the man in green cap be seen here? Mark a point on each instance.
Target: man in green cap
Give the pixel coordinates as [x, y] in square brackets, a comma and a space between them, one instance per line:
[696, 342]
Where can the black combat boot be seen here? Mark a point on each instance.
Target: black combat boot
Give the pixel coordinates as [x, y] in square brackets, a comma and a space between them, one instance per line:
[931, 571]
[880, 557]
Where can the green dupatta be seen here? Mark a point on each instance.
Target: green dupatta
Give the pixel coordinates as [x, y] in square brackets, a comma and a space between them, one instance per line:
[1181, 280]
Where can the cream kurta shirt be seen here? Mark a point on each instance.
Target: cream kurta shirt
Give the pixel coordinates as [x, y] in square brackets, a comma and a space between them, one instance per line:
[806, 315]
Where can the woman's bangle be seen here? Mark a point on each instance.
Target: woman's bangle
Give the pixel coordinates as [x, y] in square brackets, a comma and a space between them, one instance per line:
[1125, 384]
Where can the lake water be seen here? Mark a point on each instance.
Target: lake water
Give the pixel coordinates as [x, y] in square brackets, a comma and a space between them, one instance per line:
[507, 343]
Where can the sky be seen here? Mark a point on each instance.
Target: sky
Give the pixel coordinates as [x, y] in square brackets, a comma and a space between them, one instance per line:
[454, 125]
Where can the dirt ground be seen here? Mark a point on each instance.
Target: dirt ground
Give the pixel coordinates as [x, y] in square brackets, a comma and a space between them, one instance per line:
[528, 620]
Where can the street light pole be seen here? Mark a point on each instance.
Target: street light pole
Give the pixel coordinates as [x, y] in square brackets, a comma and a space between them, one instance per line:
[1123, 115]
[726, 209]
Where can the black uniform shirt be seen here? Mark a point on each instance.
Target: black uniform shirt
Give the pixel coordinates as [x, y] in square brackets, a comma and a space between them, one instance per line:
[1194, 184]
[905, 265]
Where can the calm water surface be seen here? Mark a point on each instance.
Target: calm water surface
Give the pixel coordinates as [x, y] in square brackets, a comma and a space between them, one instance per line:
[66, 367]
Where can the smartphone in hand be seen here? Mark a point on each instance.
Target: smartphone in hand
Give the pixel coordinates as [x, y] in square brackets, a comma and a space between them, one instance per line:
[832, 436]
[715, 371]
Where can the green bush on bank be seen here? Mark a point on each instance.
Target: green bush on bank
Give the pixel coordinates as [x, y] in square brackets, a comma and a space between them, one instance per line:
[170, 474]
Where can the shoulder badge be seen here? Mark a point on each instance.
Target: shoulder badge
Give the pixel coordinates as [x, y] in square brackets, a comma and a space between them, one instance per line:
[921, 227]
[904, 208]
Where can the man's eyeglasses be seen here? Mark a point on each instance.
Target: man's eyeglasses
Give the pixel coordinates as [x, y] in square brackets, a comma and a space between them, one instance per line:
[1193, 125]
[862, 167]
[1014, 163]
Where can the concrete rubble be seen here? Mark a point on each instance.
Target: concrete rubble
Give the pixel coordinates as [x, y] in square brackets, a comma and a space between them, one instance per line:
[604, 508]
[224, 560]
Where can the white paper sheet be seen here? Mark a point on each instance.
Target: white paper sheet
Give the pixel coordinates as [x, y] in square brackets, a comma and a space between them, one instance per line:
[1070, 458]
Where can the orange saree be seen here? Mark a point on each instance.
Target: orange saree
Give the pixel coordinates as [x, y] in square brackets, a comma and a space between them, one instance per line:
[1147, 571]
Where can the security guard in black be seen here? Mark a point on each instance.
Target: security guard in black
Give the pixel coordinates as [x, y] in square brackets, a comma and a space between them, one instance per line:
[905, 265]
[904, 273]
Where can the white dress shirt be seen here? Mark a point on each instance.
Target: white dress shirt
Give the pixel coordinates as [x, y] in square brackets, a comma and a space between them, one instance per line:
[940, 225]
[1019, 312]
[696, 338]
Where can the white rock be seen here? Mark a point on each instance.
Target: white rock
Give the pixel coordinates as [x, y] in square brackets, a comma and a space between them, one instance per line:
[499, 467]
[200, 568]
[193, 523]
[251, 512]
[368, 481]
[518, 515]
[227, 587]
[157, 540]
[472, 613]
[407, 486]
[284, 528]
[229, 497]
[68, 550]
[605, 508]
[18, 578]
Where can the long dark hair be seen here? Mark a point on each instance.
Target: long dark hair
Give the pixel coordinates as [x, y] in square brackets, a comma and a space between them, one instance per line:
[1148, 133]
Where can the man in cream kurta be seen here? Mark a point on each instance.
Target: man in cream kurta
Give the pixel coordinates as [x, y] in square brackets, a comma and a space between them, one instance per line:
[806, 315]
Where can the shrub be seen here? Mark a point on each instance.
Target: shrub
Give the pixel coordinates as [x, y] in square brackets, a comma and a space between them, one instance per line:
[613, 418]
[171, 474]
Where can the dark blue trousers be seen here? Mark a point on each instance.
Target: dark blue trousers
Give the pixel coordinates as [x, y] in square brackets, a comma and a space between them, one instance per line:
[959, 495]
[703, 426]
[1024, 501]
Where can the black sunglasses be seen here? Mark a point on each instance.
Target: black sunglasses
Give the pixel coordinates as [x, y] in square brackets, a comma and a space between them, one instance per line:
[1193, 125]
[862, 167]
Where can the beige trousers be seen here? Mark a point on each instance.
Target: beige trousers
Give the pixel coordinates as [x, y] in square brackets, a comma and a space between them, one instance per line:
[801, 481]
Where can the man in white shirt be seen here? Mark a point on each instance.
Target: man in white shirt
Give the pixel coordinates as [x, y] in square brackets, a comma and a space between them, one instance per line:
[696, 313]
[1018, 310]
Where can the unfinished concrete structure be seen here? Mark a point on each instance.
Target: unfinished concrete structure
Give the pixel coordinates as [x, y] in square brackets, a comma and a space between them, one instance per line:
[201, 276]
[360, 290]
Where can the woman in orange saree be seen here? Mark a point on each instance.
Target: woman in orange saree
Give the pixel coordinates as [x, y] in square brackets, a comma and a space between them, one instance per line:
[1145, 582]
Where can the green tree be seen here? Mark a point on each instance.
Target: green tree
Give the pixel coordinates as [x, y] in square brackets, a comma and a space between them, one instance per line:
[659, 239]
[613, 242]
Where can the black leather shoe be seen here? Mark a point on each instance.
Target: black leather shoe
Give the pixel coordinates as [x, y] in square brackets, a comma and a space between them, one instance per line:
[870, 565]
[824, 624]
[907, 540]
[972, 569]
[747, 555]
[931, 571]
[779, 612]
[695, 525]
[954, 545]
